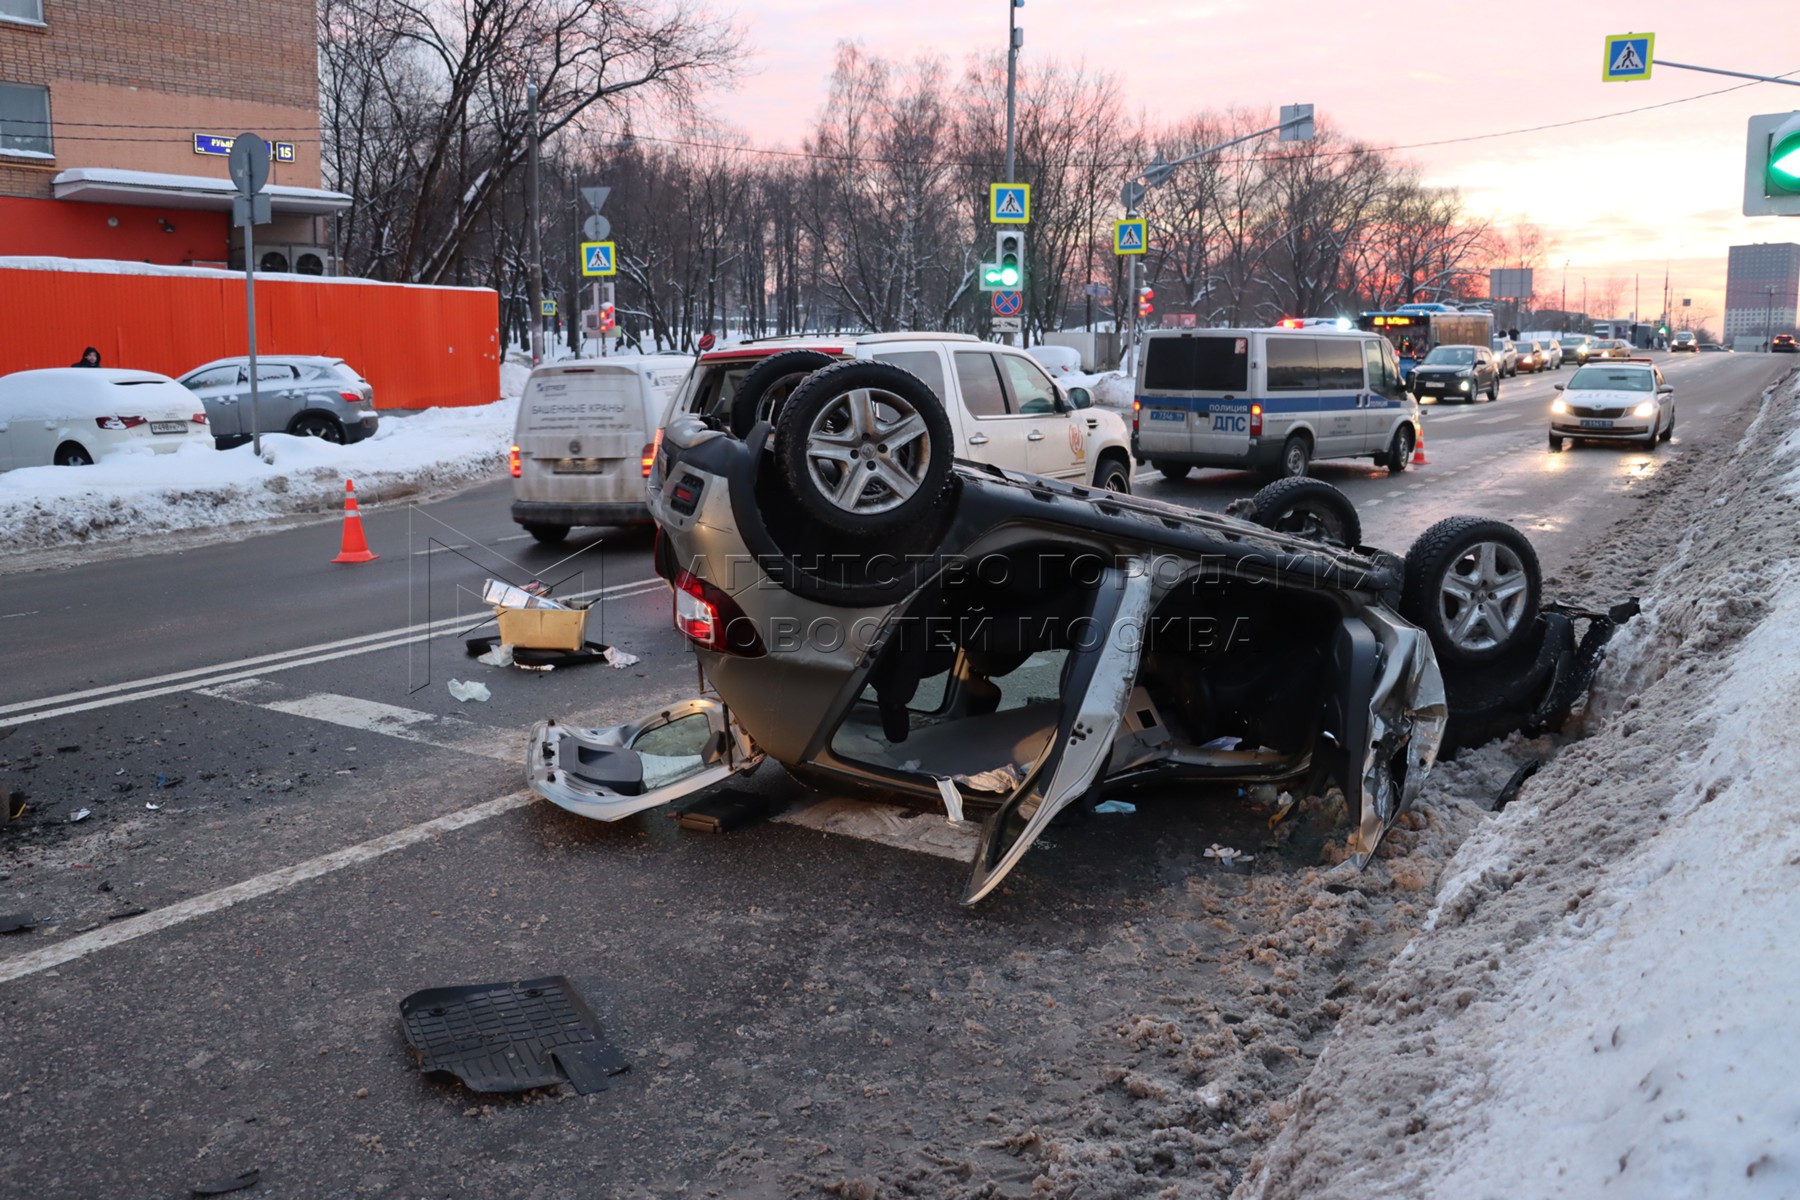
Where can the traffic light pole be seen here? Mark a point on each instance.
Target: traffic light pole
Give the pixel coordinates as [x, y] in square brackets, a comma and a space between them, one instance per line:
[1129, 311]
[1663, 62]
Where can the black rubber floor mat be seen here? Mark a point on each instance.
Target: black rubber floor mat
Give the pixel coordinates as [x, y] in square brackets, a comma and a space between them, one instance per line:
[510, 1037]
[529, 656]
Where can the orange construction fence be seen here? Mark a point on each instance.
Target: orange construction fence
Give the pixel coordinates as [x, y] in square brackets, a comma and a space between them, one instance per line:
[418, 346]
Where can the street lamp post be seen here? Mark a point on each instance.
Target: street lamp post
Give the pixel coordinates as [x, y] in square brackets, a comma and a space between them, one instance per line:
[1769, 318]
[1015, 38]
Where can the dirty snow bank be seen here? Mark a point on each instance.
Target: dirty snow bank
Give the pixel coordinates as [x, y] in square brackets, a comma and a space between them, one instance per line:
[1601, 998]
[141, 493]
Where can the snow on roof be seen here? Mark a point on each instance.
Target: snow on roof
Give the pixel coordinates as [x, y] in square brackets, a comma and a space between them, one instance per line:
[108, 184]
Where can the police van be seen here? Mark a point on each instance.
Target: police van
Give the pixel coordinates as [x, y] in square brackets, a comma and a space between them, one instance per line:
[1270, 400]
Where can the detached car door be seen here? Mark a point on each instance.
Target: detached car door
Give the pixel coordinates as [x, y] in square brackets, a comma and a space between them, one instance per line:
[1102, 675]
[612, 772]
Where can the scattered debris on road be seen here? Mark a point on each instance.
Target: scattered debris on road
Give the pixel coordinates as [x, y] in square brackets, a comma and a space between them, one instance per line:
[469, 691]
[229, 1183]
[17, 923]
[511, 1037]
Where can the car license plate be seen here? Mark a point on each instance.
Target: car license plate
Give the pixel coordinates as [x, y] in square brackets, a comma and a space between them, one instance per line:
[1166, 414]
[168, 427]
[1432, 384]
[577, 466]
[1594, 423]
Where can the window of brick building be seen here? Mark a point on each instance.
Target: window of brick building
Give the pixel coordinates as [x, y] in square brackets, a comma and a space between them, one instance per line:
[24, 119]
[22, 10]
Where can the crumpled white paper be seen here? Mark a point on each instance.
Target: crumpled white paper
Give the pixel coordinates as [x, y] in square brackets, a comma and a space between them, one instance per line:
[618, 659]
[500, 656]
[469, 691]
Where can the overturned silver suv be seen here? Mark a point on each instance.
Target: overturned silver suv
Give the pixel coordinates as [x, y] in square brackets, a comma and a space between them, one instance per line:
[885, 620]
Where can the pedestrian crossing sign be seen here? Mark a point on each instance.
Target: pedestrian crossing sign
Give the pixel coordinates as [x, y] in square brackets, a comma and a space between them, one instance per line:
[1628, 57]
[597, 258]
[1130, 237]
[1009, 203]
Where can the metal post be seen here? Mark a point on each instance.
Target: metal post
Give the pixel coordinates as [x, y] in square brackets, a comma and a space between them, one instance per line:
[1769, 319]
[250, 308]
[1126, 314]
[531, 217]
[1015, 37]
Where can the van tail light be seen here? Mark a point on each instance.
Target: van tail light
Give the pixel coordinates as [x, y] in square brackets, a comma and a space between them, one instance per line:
[118, 422]
[1256, 420]
[513, 463]
[712, 620]
[649, 459]
[1137, 406]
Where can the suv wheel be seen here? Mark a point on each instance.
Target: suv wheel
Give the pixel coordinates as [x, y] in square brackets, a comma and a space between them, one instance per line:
[864, 447]
[768, 384]
[1473, 585]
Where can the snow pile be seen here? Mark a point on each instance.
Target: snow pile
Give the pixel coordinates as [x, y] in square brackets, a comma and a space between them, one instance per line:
[139, 492]
[1600, 998]
[1110, 390]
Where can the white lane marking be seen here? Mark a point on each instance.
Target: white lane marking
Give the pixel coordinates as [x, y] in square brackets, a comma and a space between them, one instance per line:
[1370, 503]
[389, 720]
[1413, 487]
[262, 665]
[1496, 419]
[889, 825]
[438, 549]
[9, 616]
[280, 880]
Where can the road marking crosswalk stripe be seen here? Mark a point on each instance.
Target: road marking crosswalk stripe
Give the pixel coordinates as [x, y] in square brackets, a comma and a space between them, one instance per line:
[194, 679]
[373, 716]
[183, 911]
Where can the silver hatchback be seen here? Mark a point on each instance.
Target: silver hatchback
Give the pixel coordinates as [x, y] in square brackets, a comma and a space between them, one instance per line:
[302, 394]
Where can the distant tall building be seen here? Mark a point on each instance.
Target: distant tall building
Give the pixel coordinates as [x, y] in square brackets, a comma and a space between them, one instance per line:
[1762, 290]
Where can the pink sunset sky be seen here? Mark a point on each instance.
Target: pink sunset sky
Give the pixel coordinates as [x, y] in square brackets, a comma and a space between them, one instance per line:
[1617, 197]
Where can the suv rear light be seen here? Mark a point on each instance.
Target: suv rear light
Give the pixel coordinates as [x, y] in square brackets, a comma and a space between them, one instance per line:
[513, 463]
[712, 620]
[352, 397]
[118, 422]
[1256, 420]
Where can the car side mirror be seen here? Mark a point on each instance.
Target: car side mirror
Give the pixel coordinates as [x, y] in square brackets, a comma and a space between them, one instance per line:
[1665, 390]
[1557, 386]
[1079, 397]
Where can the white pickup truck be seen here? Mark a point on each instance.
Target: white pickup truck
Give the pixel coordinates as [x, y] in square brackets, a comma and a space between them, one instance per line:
[1003, 408]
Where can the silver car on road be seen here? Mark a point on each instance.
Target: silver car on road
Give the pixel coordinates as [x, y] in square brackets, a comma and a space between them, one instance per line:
[302, 394]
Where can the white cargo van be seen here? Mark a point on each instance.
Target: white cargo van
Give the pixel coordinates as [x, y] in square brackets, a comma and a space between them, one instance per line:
[1270, 400]
[583, 442]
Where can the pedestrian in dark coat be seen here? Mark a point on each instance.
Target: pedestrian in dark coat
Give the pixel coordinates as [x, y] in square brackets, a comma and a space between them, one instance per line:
[89, 358]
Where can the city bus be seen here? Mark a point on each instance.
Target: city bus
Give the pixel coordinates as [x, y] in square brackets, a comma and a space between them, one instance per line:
[1417, 329]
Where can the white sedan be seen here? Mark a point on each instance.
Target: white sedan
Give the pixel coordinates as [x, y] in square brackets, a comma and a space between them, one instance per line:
[72, 416]
[1615, 400]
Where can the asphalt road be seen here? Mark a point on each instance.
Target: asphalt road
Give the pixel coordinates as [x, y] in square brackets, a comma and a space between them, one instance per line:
[292, 825]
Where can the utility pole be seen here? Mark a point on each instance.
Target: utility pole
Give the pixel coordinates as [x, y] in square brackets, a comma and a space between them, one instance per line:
[1769, 318]
[1015, 38]
[531, 218]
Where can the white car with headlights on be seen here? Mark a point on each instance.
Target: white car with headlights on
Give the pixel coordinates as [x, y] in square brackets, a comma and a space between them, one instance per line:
[1616, 400]
[73, 416]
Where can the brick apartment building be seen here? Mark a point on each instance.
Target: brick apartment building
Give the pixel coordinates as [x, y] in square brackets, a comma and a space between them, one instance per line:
[114, 119]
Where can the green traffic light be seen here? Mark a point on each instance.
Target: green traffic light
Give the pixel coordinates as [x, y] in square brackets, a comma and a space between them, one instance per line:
[1784, 163]
[1009, 275]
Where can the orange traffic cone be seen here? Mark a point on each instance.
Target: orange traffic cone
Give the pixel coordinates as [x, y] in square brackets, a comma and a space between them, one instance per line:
[356, 547]
[1418, 458]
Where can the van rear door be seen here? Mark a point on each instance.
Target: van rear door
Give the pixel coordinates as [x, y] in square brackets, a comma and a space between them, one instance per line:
[1194, 397]
[581, 435]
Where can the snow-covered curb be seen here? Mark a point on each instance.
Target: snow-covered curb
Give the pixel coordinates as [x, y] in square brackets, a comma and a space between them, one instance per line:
[1600, 1001]
[139, 494]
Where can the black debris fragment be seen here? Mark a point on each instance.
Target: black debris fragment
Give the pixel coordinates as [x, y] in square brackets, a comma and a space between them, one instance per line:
[1510, 792]
[724, 810]
[510, 1037]
[17, 922]
[229, 1183]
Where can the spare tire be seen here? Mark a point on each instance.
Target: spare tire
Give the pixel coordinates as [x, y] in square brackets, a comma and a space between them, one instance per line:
[768, 384]
[1473, 585]
[1310, 508]
[864, 448]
